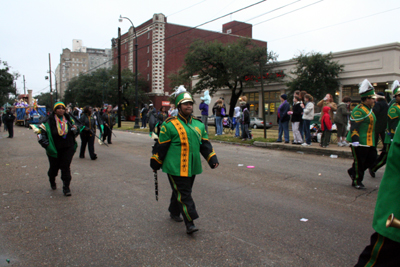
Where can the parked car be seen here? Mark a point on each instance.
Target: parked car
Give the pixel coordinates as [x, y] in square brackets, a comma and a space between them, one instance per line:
[259, 123]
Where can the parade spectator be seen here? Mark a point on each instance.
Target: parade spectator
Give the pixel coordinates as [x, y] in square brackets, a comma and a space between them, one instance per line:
[361, 135]
[109, 122]
[237, 116]
[327, 101]
[301, 127]
[341, 120]
[219, 114]
[204, 113]
[296, 119]
[57, 135]
[171, 153]
[9, 120]
[393, 116]
[161, 117]
[380, 110]
[245, 120]
[283, 119]
[88, 134]
[173, 111]
[326, 127]
[143, 113]
[308, 116]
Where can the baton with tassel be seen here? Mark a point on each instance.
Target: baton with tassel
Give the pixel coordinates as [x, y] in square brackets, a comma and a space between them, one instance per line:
[156, 184]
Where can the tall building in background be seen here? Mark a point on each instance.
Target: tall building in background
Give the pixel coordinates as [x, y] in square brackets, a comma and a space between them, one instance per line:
[80, 60]
[162, 48]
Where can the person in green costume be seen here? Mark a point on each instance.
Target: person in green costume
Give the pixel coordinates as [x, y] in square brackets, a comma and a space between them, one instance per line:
[177, 151]
[57, 135]
[362, 135]
[393, 120]
[385, 242]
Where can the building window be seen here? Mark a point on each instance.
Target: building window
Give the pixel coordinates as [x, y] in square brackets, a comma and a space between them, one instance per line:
[125, 58]
[148, 76]
[148, 63]
[148, 35]
[148, 49]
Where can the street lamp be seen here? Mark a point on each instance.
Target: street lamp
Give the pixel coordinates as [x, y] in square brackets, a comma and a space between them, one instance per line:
[136, 73]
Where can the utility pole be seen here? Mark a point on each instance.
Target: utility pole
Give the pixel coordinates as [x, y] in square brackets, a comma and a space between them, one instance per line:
[262, 99]
[24, 87]
[119, 77]
[51, 90]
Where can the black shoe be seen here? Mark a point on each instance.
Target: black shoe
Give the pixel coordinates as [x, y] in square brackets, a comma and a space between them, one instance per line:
[191, 228]
[110, 143]
[371, 173]
[350, 174]
[95, 157]
[278, 141]
[360, 186]
[176, 218]
[67, 192]
[53, 186]
[81, 157]
[287, 142]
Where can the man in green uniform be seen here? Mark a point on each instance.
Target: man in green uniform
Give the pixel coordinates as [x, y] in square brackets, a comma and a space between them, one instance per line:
[385, 242]
[393, 121]
[362, 135]
[181, 141]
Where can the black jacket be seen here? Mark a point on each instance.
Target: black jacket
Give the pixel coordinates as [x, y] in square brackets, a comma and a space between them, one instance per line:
[297, 113]
[380, 110]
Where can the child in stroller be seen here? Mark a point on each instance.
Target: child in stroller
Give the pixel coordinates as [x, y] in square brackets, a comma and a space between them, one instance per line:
[315, 130]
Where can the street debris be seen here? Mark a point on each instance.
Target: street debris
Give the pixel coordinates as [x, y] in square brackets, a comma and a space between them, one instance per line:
[240, 165]
[303, 220]
[23, 166]
[250, 167]
[334, 156]
[319, 174]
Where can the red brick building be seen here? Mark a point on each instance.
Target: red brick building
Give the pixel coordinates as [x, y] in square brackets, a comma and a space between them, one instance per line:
[162, 48]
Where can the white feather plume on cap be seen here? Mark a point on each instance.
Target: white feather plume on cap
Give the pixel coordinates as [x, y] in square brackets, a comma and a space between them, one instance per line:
[179, 90]
[366, 88]
[395, 85]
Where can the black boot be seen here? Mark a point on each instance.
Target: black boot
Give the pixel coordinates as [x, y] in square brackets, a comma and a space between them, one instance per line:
[191, 228]
[53, 184]
[66, 191]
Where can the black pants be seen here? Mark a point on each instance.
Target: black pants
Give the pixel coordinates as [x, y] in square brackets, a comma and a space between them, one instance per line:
[382, 252]
[181, 199]
[10, 128]
[381, 135]
[87, 138]
[107, 134]
[326, 138]
[63, 163]
[381, 160]
[364, 158]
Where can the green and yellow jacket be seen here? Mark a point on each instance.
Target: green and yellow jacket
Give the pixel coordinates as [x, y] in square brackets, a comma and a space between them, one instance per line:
[393, 121]
[362, 126]
[388, 200]
[179, 146]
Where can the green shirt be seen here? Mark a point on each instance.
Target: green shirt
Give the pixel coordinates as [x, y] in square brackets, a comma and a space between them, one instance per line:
[362, 126]
[388, 201]
[179, 146]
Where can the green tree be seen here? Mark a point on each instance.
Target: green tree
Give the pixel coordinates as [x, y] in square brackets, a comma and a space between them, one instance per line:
[43, 99]
[315, 73]
[102, 86]
[7, 83]
[220, 66]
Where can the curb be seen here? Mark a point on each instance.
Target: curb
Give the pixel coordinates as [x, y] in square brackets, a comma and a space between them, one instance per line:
[304, 149]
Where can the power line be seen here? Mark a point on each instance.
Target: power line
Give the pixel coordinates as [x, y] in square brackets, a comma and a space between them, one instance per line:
[186, 8]
[288, 12]
[335, 24]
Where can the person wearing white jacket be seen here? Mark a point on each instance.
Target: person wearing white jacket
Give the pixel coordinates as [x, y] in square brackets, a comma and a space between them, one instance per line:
[308, 116]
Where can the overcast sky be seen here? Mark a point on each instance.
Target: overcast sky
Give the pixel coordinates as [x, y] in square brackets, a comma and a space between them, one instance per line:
[30, 30]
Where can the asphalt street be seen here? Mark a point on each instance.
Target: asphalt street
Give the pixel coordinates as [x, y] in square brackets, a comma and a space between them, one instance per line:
[248, 216]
